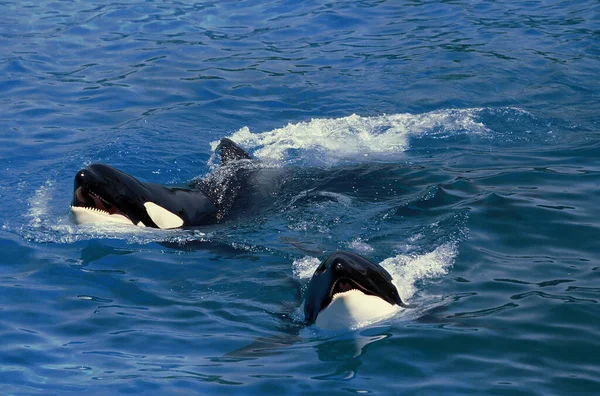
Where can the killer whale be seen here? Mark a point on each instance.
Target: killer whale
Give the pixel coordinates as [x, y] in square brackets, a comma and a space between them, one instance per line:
[105, 194]
[346, 290]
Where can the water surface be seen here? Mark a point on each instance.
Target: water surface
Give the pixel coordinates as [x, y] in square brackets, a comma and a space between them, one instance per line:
[453, 142]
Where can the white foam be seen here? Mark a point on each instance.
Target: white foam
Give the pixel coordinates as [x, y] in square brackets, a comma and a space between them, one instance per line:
[407, 270]
[38, 203]
[304, 268]
[61, 230]
[353, 136]
[360, 246]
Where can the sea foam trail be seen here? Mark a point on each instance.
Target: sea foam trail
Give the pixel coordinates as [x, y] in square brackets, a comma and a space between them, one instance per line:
[352, 136]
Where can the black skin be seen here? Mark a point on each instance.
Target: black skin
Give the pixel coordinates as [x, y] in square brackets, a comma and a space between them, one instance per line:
[342, 271]
[104, 187]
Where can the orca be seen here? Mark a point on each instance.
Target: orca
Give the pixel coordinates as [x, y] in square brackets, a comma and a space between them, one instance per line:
[105, 194]
[347, 290]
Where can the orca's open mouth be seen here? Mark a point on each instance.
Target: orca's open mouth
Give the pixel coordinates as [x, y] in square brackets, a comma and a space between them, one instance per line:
[88, 206]
[92, 201]
[344, 284]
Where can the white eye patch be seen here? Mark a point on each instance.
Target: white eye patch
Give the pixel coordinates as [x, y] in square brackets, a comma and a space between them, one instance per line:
[162, 217]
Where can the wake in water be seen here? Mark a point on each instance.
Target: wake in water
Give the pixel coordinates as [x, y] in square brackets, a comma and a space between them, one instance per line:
[353, 137]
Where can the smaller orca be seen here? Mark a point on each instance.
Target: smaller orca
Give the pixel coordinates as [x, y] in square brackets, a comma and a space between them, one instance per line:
[105, 194]
[347, 290]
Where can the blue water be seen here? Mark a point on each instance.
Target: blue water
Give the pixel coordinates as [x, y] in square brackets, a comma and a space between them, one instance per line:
[456, 143]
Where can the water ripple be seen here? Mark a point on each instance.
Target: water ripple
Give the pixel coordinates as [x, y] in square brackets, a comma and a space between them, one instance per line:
[455, 142]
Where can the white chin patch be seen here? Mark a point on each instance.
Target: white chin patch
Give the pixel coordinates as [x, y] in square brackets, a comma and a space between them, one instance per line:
[353, 309]
[162, 217]
[81, 215]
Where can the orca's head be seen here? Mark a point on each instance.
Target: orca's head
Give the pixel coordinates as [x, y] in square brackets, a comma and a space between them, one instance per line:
[347, 289]
[105, 194]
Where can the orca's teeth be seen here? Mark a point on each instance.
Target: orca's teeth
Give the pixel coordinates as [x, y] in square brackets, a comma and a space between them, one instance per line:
[346, 293]
[84, 215]
[95, 209]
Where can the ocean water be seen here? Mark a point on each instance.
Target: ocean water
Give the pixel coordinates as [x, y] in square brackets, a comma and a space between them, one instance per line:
[455, 142]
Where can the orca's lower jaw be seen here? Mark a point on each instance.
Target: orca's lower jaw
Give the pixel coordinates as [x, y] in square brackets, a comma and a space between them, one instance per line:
[88, 207]
[352, 309]
[88, 215]
[352, 305]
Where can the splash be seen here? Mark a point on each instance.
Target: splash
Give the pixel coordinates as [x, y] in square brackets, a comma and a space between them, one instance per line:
[38, 203]
[360, 246]
[60, 231]
[408, 270]
[353, 136]
[303, 268]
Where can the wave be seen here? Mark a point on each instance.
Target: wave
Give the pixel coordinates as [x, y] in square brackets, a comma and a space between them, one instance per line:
[355, 137]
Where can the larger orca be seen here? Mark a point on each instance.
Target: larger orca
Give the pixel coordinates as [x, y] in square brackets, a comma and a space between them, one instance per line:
[105, 194]
[347, 290]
